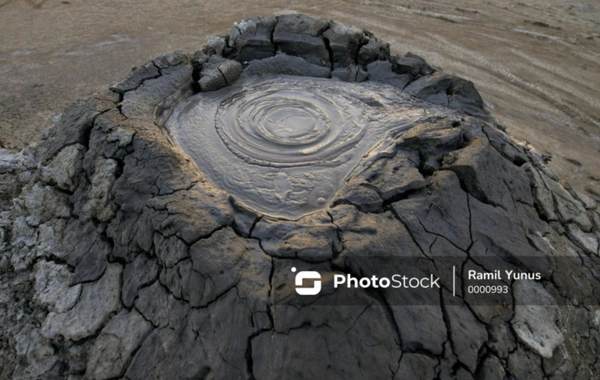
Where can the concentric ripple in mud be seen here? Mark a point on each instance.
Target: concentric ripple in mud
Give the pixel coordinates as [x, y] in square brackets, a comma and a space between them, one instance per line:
[277, 127]
[284, 145]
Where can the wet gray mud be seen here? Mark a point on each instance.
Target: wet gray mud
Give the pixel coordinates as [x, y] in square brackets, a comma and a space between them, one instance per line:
[284, 145]
[162, 228]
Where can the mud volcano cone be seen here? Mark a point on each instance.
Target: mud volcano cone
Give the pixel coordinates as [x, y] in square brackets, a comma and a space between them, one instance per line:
[292, 202]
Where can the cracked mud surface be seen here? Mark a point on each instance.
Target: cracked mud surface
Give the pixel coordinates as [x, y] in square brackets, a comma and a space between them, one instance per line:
[123, 259]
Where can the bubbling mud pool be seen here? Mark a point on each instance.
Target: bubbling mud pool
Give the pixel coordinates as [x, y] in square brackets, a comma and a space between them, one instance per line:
[283, 145]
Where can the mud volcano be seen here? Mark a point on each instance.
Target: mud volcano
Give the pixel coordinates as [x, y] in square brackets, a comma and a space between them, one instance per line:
[162, 228]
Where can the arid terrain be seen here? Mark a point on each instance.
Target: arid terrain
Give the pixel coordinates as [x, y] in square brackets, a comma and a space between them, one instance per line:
[536, 62]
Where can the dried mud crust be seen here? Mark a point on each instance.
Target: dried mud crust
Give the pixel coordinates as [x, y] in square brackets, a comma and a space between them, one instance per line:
[120, 259]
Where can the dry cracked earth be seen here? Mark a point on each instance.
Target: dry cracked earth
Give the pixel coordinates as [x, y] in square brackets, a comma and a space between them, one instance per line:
[121, 259]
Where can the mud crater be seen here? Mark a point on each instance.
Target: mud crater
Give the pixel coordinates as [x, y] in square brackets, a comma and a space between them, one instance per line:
[284, 145]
